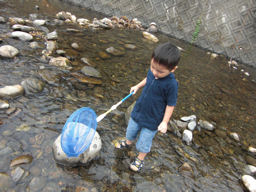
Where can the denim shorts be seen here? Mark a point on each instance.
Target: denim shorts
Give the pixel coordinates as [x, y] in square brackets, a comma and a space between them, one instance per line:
[146, 136]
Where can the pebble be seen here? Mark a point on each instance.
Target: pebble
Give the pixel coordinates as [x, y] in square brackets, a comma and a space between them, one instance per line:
[39, 22]
[52, 36]
[17, 174]
[192, 125]
[252, 149]
[188, 118]
[234, 136]
[4, 104]
[206, 125]
[187, 136]
[249, 183]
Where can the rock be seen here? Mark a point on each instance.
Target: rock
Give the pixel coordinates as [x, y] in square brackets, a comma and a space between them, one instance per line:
[115, 51]
[52, 36]
[249, 182]
[39, 22]
[23, 28]
[34, 45]
[129, 46]
[150, 37]
[8, 51]
[192, 125]
[152, 28]
[22, 35]
[4, 104]
[50, 46]
[37, 183]
[104, 55]
[186, 167]
[2, 19]
[5, 182]
[11, 91]
[90, 71]
[5, 151]
[88, 80]
[85, 157]
[250, 160]
[174, 129]
[235, 136]
[17, 174]
[75, 45]
[188, 118]
[85, 61]
[206, 125]
[32, 86]
[252, 149]
[16, 20]
[187, 136]
[61, 52]
[62, 15]
[60, 62]
[23, 159]
[82, 21]
[250, 170]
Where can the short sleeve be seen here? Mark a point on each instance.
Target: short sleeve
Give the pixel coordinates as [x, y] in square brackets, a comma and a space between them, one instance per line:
[172, 93]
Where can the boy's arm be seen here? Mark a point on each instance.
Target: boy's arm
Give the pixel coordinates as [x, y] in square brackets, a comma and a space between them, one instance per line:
[167, 115]
[138, 86]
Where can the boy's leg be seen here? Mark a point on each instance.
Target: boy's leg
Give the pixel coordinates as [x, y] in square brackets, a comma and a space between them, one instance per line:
[131, 134]
[143, 145]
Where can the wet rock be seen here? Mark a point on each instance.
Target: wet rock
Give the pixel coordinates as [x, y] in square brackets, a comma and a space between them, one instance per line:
[252, 149]
[2, 19]
[23, 127]
[181, 124]
[82, 21]
[187, 136]
[250, 170]
[75, 45]
[32, 85]
[88, 80]
[23, 28]
[104, 55]
[185, 167]
[85, 157]
[52, 187]
[37, 184]
[4, 104]
[206, 125]
[23, 159]
[130, 46]
[8, 51]
[235, 136]
[5, 181]
[49, 76]
[17, 174]
[150, 37]
[34, 45]
[61, 52]
[152, 28]
[16, 20]
[99, 23]
[249, 182]
[22, 35]
[39, 22]
[174, 129]
[52, 36]
[188, 118]
[114, 51]
[90, 71]
[11, 110]
[85, 61]
[192, 125]
[50, 46]
[5, 151]
[60, 62]
[250, 160]
[11, 91]
[62, 15]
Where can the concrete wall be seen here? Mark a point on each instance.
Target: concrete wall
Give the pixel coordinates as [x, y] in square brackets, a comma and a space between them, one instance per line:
[227, 26]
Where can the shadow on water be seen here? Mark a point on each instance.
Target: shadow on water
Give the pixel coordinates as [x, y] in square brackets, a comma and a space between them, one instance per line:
[208, 88]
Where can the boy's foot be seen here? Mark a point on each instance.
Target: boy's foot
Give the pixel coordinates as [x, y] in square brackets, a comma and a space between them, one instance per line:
[137, 164]
[122, 145]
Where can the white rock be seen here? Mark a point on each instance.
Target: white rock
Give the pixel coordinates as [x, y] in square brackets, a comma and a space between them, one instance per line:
[39, 22]
[4, 104]
[192, 125]
[8, 51]
[249, 183]
[214, 55]
[11, 91]
[252, 169]
[73, 18]
[22, 35]
[252, 149]
[247, 74]
[235, 136]
[60, 62]
[85, 157]
[23, 28]
[149, 36]
[52, 36]
[82, 21]
[34, 45]
[187, 136]
[188, 118]
[206, 125]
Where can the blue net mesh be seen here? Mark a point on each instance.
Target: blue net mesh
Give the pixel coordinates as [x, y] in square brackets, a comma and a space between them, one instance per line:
[78, 131]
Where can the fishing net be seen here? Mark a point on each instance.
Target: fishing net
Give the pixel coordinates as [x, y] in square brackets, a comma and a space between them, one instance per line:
[78, 131]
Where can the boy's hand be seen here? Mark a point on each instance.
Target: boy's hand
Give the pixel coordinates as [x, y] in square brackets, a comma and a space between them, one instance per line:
[162, 127]
[134, 89]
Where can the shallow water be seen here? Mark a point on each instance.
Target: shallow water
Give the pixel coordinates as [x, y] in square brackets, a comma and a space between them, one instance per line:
[208, 88]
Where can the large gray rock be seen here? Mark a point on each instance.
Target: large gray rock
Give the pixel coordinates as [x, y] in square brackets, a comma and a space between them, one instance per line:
[61, 158]
[8, 51]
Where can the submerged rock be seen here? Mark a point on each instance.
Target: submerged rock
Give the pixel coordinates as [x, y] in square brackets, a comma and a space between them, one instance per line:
[32, 85]
[11, 91]
[60, 62]
[88, 80]
[8, 51]
[206, 125]
[17, 174]
[90, 71]
[23, 159]
[85, 157]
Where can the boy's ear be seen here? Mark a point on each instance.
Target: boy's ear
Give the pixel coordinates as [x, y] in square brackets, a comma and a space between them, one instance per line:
[174, 69]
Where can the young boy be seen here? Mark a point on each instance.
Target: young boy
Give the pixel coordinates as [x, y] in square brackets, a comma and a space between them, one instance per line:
[155, 105]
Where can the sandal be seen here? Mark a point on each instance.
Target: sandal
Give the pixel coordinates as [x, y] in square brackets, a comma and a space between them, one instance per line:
[122, 145]
[136, 165]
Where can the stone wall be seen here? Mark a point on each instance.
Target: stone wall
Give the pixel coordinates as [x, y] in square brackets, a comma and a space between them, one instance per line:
[226, 26]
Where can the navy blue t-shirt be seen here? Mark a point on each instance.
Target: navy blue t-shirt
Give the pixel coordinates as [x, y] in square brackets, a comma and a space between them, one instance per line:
[156, 95]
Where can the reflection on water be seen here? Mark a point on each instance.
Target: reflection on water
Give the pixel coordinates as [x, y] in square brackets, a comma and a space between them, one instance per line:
[208, 88]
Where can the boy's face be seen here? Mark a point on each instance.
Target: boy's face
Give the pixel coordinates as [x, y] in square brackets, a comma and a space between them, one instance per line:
[159, 71]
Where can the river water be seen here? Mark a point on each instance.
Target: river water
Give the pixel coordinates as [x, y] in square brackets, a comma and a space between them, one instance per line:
[208, 88]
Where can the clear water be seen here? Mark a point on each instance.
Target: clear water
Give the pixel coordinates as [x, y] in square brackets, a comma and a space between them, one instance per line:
[208, 88]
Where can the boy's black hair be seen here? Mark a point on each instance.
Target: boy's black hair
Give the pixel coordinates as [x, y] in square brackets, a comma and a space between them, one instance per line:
[166, 54]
